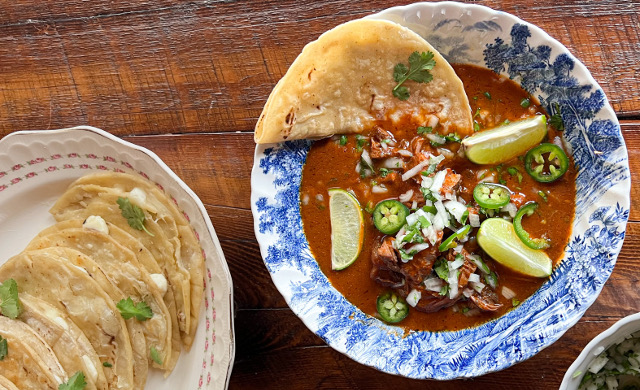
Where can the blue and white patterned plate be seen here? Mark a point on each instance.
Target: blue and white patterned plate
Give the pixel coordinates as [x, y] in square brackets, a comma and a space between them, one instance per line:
[499, 41]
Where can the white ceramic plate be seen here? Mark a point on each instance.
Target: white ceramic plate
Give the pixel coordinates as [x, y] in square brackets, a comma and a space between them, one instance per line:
[35, 169]
[471, 34]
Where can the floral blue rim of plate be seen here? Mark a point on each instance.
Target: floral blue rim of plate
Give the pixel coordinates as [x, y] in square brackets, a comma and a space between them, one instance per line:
[508, 45]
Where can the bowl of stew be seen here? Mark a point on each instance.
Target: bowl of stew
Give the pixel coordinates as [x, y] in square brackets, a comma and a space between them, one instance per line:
[425, 299]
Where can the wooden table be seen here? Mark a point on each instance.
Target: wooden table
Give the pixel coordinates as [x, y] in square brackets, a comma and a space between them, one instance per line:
[188, 81]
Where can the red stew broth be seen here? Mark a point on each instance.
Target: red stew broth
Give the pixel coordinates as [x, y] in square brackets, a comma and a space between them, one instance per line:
[493, 99]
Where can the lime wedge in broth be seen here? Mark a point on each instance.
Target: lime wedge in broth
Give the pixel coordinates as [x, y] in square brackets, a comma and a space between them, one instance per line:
[505, 142]
[347, 228]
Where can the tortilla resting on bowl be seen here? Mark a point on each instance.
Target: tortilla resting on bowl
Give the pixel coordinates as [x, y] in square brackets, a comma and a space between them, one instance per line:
[80, 202]
[71, 290]
[6, 384]
[343, 82]
[30, 363]
[155, 199]
[70, 345]
[123, 269]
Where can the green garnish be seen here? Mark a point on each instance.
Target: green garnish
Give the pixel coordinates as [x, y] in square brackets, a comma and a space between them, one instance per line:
[556, 119]
[133, 214]
[76, 382]
[515, 302]
[343, 140]
[543, 196]
[9, 303]
[476, 126]
[453, 137]
[488, 95]
[4, 349]
[128, 309]
[525, 103]
[383, 172]
[444, 290]
[107, 364]
[155, 356]
[424, 130]
[419, 66]
[361, 141]
[477, 111]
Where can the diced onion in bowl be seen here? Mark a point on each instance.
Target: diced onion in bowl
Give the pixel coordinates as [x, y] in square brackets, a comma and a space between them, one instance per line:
[474, 220]
[404, 152]
[413, 297]
[508, 293]
[511, 209]
[457, 263]
[406, 196]
[475, 278]
[392, 162]
[415, 170]
[434, 284]
[379, 189]
[456, 209]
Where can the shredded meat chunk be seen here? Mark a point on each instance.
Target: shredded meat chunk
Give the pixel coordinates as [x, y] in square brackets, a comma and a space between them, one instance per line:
[379, 136]
[486, 300]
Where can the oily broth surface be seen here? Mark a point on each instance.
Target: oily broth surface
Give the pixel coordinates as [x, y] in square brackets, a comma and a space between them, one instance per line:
[330, 165]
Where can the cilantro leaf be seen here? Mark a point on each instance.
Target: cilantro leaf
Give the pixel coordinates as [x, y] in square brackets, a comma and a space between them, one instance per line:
[76, 382]
[419, 68]
[107, 364]
[4, 349]
[155, 356]
[133, 214]
[128, 309]
[9, 303]
[556, 119]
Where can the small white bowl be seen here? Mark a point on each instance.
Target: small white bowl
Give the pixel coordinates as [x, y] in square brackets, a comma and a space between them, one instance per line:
[614, 335]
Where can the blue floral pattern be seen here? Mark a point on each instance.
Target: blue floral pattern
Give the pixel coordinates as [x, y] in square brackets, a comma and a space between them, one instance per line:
[602, 209]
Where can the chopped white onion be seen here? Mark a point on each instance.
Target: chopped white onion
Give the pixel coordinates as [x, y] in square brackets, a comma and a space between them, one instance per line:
[467, 292]
[558, 141]
[406, 196]
[475, 278]
[472, 312]
[413, 297]
[434, 284]
[477, 286]
[456, 209]
[319, 197]
[414, 205]
[453, 283]
[367, 159]
[446, 152]
[474, 220]
[418, 247]
[384, 145]
[426, 182]
[379, 189]
[430, 234]
[458, 248]
[438, 180]
[457, 263]
[438, 139]
[508, 293]
[415, 170]
[358, 167]
[511, 209]
[404, 152]
[391, 163]
[481, 173]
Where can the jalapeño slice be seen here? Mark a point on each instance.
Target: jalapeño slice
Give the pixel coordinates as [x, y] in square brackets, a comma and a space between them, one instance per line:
[389, 216]
[392, 308]
[546, 162]
[451, 242]
[523, 235]
[491, 196]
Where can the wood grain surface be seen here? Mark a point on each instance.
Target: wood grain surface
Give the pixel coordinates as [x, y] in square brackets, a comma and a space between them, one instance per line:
[188, 79]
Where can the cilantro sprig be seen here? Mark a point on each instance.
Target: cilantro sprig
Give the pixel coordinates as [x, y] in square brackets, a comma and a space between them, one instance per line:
[419, 68]
[133, 214]
[4, 348]
[9, 303]
[141, 311]
[76, 382]
[155, 355]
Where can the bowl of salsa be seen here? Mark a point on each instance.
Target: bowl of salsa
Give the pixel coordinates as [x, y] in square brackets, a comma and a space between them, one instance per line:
[429, 254]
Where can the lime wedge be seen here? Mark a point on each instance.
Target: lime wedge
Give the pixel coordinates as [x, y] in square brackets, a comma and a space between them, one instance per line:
[503, 143]
[347, 228]
[498, 239]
